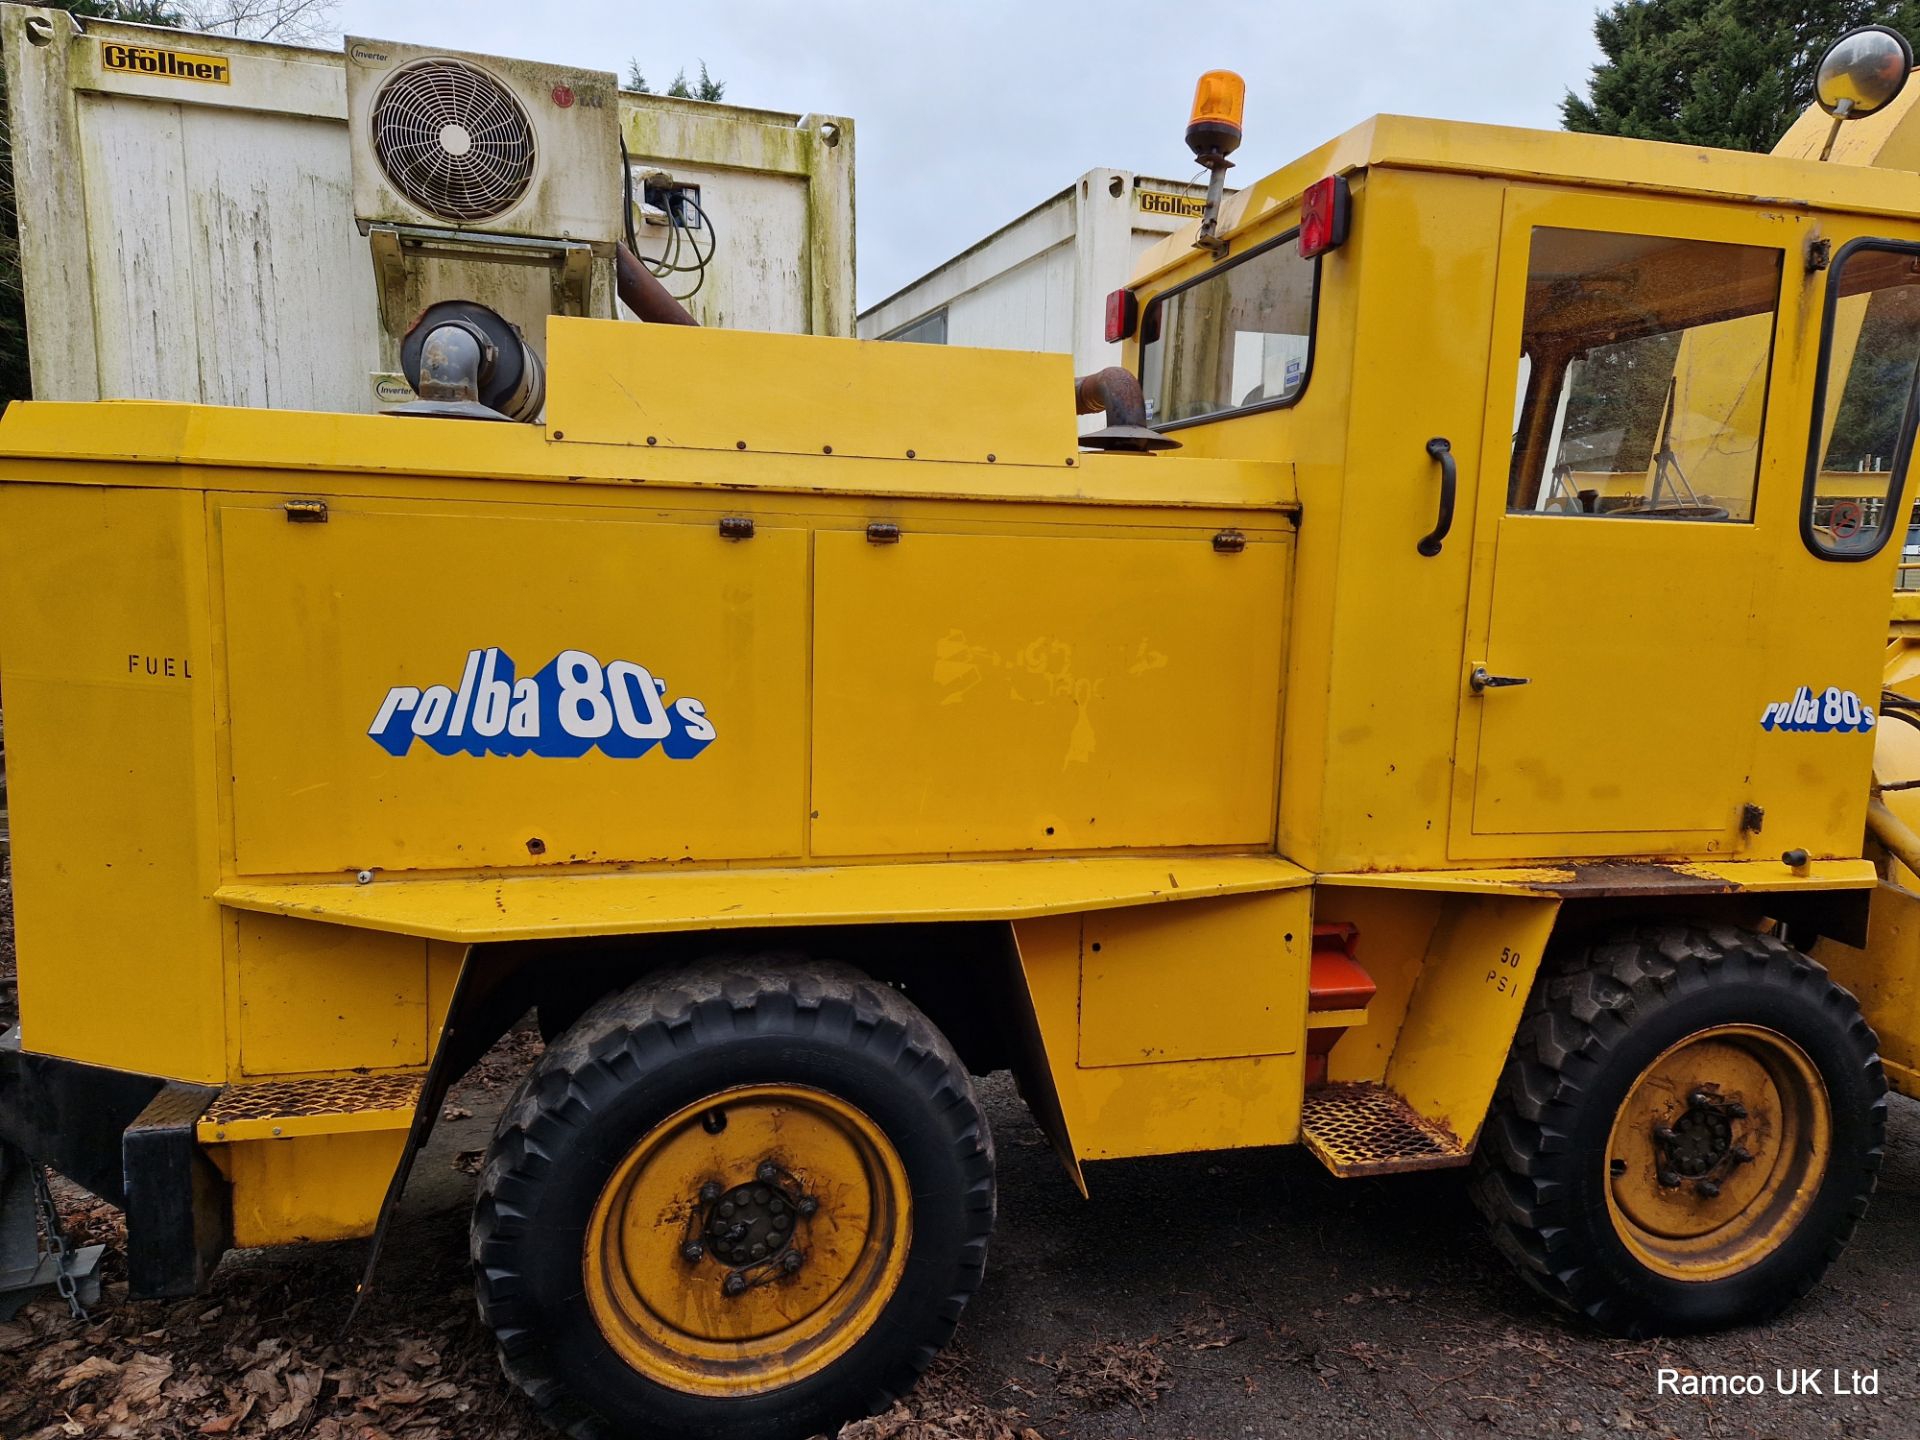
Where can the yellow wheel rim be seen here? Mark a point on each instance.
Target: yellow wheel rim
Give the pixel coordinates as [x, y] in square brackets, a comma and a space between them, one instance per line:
[1717, 1152]
[689, 1261]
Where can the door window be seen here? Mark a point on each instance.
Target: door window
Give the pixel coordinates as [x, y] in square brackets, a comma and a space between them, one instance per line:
[1644, 363]
[1865, 400]
[1239, 338]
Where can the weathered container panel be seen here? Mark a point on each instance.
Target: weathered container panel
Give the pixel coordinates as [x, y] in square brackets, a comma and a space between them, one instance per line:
[194, 240]
[203, 290]
[1027, 308]
[1040, 282]
[764, 284]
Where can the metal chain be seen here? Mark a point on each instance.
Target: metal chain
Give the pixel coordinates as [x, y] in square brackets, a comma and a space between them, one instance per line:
[63, 1280]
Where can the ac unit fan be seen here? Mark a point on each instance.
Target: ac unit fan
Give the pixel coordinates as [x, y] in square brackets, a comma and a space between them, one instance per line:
[453, 140]
[486, 146]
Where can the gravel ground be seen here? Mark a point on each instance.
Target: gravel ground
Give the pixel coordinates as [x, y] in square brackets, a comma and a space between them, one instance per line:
[1197, 1298]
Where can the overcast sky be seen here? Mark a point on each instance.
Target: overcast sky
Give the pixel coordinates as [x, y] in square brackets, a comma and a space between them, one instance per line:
[968, 113]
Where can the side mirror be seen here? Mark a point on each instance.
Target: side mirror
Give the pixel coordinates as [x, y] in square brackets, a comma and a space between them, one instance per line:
[1862, 72]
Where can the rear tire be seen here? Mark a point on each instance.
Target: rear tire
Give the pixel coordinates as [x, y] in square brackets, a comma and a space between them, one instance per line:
[1686, 1132]
[860, 1200]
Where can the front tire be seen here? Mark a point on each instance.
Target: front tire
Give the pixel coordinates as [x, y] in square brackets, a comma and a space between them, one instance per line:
[1687, 1131]
[744, 1200]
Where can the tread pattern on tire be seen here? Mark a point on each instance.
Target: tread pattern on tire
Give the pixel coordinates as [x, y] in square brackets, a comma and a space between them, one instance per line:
[1588, 996]
[646, 1025]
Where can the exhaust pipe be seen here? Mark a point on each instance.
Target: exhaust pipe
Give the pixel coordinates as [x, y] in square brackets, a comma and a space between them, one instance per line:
[467, 362]
[640, 291]
[1116, 392]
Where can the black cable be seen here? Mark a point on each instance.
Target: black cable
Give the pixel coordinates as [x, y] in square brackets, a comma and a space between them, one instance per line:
[713, 243]
[626, 175]
[664, 266]
[713, 240]
[670, 263]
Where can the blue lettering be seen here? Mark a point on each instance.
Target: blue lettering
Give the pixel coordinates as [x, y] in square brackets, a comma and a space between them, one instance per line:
[572, 705]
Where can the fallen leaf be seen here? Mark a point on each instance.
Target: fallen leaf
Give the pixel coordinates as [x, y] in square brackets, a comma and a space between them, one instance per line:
[94, 1367]
[263, 1383]
[141, 1379]
[302, 1387]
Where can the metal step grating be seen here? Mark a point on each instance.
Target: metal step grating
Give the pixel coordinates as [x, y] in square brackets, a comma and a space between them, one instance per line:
[284, 1109]
[1366, 1129]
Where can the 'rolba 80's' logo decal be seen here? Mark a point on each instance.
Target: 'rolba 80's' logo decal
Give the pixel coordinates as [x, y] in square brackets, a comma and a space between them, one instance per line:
[1821, 711]
[574, 705]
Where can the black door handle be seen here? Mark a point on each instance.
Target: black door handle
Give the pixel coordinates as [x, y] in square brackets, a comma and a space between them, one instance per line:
[1481, 680]
[1441, 450]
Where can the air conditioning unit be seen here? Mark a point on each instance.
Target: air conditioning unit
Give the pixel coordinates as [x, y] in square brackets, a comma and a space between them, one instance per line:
[473, 143]
[485, 180]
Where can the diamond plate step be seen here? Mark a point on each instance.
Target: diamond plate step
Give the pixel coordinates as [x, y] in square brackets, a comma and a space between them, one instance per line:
[1366, 1129]
[282, 1109]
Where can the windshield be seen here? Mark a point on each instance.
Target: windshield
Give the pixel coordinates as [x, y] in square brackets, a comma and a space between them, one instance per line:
[1643, 376]
[1239, 338]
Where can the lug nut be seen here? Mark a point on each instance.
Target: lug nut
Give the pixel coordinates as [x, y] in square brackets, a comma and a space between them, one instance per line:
[693, 1250]
[1736, 1110]
[768, 1172]
[709, 1192]
[734, 1284]
[807, 1205]
[1741, 1155]
[1664, 1134]
[1668, 1179]
[1708, 1188]
[792, 1261]
[1699, 1100]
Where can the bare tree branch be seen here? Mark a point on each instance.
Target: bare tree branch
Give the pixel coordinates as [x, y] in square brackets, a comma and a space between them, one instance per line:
[291, 22]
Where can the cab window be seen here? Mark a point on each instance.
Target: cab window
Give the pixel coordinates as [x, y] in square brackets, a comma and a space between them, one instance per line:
[1864, 401]
[1239, 338]
[1642, 389]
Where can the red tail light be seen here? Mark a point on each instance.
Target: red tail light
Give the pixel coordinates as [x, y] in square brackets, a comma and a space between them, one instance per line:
[1324, 212]
[1123, 314]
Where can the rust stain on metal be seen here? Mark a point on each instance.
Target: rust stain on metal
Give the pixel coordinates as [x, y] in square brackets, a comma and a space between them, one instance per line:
[1604, 878]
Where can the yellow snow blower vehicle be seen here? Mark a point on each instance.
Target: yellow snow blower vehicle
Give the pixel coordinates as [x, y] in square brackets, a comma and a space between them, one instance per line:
[1433, 722]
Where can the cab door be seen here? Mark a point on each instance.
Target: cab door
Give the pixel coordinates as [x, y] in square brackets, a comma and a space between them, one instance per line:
[1633, 491]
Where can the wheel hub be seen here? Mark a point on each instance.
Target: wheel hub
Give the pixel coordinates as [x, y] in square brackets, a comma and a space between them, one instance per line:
[1700, 1141]
[748, 1240]
[755, 1227]
[1716, 1152]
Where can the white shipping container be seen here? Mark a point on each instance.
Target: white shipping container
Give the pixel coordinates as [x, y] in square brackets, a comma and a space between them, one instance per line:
[1041, 281]
[187, 223]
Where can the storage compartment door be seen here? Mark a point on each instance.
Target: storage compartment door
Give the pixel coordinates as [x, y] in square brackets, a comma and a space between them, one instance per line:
[988, 693]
